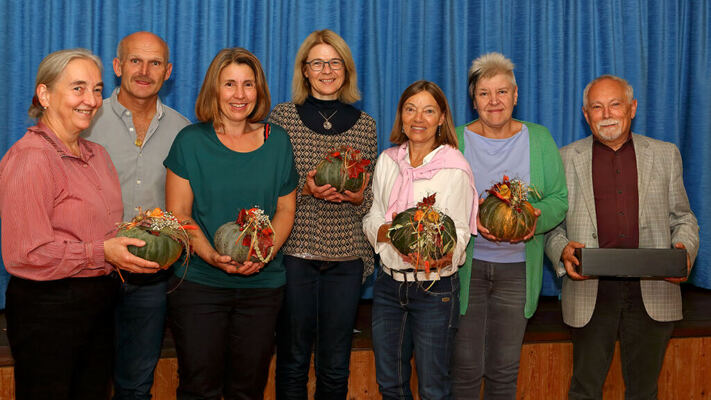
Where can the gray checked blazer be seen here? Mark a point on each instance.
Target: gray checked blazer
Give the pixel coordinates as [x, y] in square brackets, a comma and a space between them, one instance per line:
[664, 219]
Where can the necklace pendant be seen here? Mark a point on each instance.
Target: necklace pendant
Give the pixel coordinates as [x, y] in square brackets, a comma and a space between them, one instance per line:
[327, 125]
[138, 142]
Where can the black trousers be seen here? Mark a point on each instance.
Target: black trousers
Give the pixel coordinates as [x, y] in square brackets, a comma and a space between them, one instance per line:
[224, 339]
[619, 314]
[61, 337]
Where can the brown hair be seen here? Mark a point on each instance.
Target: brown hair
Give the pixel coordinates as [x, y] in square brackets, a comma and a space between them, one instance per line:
[51, 68]
[207, 107]
[446, 135]
[300, 87]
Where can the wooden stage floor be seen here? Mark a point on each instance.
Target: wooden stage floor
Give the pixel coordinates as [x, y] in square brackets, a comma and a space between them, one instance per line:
[546, 357]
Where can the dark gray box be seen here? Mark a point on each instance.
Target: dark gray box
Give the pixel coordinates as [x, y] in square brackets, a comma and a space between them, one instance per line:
[636, 263]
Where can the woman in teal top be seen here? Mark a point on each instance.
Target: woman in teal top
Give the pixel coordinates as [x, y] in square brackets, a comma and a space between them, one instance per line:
[223, 314]
[501, 281]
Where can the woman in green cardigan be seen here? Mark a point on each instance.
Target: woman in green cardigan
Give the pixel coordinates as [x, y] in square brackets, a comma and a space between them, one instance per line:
[501, 280]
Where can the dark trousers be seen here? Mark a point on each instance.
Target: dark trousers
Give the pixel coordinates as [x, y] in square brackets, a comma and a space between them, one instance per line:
[61, 337]
[140, 324]
[320, 307]
[224, 339]
[619, 314]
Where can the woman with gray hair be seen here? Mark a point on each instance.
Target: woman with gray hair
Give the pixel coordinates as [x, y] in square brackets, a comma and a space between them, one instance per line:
[501, 280]
[60, 201]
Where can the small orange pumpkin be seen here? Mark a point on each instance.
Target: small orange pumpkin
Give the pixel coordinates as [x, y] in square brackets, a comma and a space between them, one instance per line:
[506, 212]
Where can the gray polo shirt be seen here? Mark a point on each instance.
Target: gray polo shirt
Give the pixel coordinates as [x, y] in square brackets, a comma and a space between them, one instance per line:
[140, 169]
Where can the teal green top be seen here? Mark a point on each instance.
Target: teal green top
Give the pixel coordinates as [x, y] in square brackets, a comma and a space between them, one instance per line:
[224, 182]
[548, 178]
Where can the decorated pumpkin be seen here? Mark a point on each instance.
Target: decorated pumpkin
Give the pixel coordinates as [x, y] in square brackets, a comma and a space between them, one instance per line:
[164, 235]
[249, 238]
[423, 232]
[343, 169]
[506, 212]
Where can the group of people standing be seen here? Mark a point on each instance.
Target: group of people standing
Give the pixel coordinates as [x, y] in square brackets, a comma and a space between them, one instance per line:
[62, 194]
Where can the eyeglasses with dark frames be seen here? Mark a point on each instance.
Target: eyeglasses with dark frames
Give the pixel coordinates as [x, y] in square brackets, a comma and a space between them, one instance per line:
[318, 64]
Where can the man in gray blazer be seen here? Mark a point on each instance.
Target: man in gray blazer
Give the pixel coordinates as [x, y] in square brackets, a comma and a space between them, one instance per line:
[624, 191]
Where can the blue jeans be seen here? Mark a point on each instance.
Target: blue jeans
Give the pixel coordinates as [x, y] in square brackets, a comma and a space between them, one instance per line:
[140, 324]
[419, 316]
[488, 342]
[320, 305]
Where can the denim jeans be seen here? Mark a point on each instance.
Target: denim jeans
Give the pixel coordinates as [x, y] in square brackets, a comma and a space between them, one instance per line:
[140, 325]
[619, 313]
[419, 316]
[224, 338]
[320, 305]
[488, 342]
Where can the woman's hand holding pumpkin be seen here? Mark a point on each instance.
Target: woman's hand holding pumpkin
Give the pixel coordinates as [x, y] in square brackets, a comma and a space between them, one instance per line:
[227, 264]
[536, 214]
[355, 198]
[116, 253]
[325, 192]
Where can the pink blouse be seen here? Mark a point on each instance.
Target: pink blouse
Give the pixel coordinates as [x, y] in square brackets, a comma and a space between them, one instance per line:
[56, 208]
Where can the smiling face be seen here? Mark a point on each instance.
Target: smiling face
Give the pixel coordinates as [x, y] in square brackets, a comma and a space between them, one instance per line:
[237, 93]
[609, 113]
[143, 66]
[72, 101]
[326, 83]
[494, 100]
[421, 115]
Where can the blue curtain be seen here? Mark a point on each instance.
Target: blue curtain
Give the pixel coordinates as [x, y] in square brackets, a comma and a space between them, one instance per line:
[662, 47]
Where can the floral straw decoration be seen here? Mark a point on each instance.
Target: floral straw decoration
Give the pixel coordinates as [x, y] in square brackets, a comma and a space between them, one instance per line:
[342, 168]
[506, 212]
[164, 234]
[249, 238]
[423, 232]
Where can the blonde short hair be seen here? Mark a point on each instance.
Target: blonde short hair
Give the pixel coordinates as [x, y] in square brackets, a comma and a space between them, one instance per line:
[207, 107]
[488, 65]
[446, 135]
[300, 87]
[51, 68]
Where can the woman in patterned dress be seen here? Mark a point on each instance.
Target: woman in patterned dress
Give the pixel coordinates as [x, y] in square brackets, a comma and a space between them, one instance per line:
[327, 254]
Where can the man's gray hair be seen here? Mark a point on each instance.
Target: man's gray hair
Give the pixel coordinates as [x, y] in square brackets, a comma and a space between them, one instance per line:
[629, 91]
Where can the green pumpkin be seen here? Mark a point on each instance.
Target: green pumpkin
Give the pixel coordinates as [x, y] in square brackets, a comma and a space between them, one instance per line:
[506, 222]
[228, 242]
[159, 248]
[403, 236]
[332, 171]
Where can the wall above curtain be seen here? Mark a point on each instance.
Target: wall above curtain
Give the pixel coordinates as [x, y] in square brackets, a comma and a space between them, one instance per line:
[662, 47]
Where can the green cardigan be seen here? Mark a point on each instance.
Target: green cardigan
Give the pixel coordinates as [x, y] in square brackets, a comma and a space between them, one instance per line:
[548, 177]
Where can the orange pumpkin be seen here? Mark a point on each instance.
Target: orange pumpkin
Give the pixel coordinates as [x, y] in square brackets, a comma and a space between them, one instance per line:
[506, 213]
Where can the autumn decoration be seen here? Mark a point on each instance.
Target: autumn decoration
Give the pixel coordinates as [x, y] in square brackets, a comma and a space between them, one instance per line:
[164, 234]
[423, 232]
[343, 168]
[506, 212]
[249, 238]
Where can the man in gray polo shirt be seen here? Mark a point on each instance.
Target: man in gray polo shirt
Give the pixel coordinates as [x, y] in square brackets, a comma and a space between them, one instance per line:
[137, 130]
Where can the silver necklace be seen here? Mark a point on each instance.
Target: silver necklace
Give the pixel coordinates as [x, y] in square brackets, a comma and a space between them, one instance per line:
[327, 124]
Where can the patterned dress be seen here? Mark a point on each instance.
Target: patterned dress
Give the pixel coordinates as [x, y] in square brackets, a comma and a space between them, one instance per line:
[324, 230]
